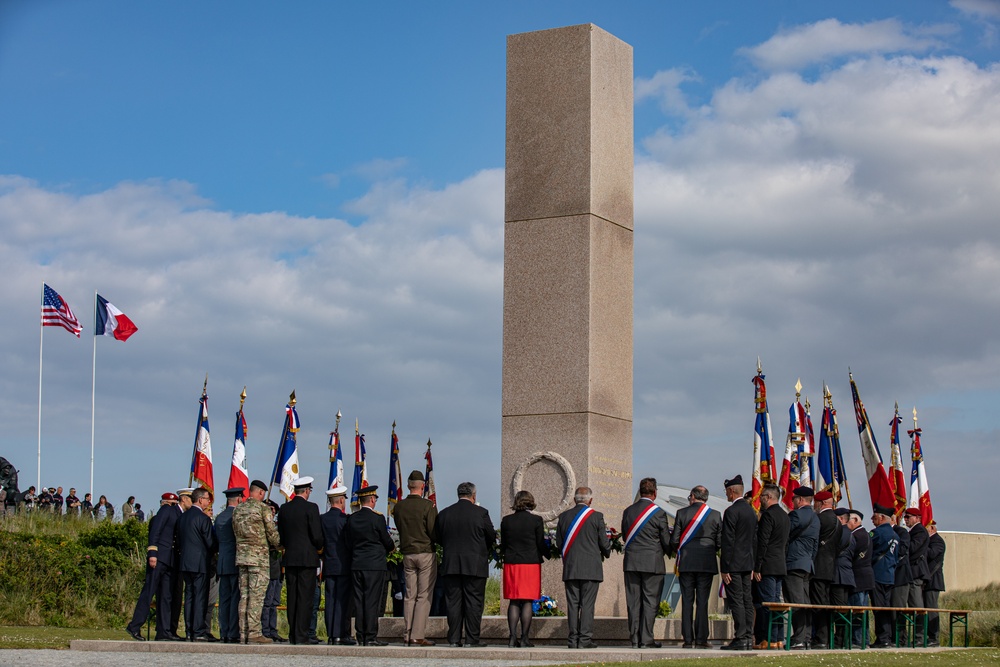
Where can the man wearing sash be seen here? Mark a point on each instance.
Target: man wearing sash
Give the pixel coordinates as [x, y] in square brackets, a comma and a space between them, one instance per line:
[696, 538]
[739, 538]
[647, 540]
[583, 539]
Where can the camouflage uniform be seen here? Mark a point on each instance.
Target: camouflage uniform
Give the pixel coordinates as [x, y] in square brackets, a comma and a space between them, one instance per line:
[254, 528]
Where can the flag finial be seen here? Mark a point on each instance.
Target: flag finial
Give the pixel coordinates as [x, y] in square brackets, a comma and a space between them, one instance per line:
[428, 443]
[914, 418]
[291, 398]
[758, 365]
[798, 388]
[339, 416]
[204, 388]
[243, 397]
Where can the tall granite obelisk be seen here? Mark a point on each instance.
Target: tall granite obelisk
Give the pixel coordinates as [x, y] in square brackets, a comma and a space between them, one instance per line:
[568, 280]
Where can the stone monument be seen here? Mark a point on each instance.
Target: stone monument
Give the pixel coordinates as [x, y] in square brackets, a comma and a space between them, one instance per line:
[568, 280]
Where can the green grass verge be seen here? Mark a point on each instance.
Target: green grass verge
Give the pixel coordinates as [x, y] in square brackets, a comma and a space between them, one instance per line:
[49, 637]
[956, 658]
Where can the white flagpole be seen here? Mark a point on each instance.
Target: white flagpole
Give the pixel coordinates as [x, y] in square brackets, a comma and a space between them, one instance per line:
[93, 388]
[41, 341]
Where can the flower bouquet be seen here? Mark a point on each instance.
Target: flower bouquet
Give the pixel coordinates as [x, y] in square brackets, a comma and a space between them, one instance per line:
[496, 556]
[545, 606]
[616, 540]
[553, 552]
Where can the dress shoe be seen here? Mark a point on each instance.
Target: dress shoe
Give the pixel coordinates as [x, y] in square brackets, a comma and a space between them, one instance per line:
[512, 643]
[651, 645]
[636, 645]
[422, 642]
[134, 634]
[818, 646]
[588, 645]
[800, 646]
[702, 645]
[313, 640]
[278, 639]
[477, 645]
[455, 645]
[260, 639]
[687, 645]
[376, 642]
[347, 641]
[206, 638]
[525, 643]
[872, 645]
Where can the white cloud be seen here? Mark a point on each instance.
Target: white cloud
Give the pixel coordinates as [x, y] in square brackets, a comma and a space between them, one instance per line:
[824, 40]
[665, 86]
[984, 9]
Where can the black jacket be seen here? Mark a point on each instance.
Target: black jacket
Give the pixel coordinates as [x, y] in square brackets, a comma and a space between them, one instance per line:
[844, 572]
[522, 538]
[772, 541]
[935, 563]
[864, 576]
[918, 552]
[739, 538]
[904, 575]
[300, 532]
[368, 539]
[466, 536]
[196, 541]
[646, 550]
[227, 542]
[582, 561]
[829, 544]
[698, 555]
[336, 551]
[162, 532]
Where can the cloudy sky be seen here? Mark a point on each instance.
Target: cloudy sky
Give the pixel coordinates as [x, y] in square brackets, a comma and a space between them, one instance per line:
[310, 197]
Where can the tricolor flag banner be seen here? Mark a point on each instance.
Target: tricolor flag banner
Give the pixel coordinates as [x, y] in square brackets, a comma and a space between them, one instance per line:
[795, 467]
[897, 483]
[920, 492]
[764, 468]
[239, 475]
[829, 459]
[429, 492]
[395, 493]
[878, 481]
[112, 322]
[286, 465]
[336, 457]
[360, 467]
[201, 460]
[56, 312]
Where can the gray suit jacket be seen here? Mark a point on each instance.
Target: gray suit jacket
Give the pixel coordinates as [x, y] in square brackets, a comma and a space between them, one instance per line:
[698, 555]
[803, 539]
[583, 561]
[646, 550]
[227, 543]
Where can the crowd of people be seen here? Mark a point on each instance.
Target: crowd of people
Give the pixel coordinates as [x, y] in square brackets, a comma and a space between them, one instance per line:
[51, 500]
[812, 553]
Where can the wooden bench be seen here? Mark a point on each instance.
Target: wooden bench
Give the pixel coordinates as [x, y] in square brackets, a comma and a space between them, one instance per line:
[845, 615]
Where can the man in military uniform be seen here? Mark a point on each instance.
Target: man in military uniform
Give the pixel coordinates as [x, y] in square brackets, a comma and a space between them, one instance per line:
[302, 536]
[885, 546]
[414, 517]
[159, 565]
[935, 581]
[369, 541]
[337, 569]
[918, 565]
[736, 560]
[229, 578]
[177, 582]
[254, 530]
[864, 577]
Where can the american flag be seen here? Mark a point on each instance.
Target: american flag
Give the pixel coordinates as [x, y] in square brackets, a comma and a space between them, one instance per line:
[56, 312]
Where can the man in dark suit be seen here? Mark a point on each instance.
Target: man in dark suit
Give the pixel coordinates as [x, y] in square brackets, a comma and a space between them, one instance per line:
[904, 576]
[824, 566]
[935, 581]
[159, 566]
[918, 564]
[229, 577]
[739, 539]
[885, 546]
[843, 575]
[583, 538]
[337, 569]
[177, 582]
[769, 569]
[197, 543]
[646, 535]
[369, 542]
[864, 577]
[302, 536]
[803, 542]
[696, 538]
[466, 535]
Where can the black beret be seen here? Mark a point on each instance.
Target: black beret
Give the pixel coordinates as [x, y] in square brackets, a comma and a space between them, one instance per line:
[735, 481]
[842, 511]
[878, 509]
[415, 476]
[258, 484]
[804, 492]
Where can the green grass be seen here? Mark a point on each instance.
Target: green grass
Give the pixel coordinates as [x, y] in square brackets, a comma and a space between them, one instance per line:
[984, 625]
[962, 658]
[49, 637]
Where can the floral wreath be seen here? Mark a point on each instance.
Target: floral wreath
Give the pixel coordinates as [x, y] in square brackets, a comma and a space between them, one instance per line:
[548, 516]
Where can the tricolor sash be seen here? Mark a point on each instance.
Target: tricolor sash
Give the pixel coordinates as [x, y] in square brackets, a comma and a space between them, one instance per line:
[574, 528]
[640, 521]
[699, 518]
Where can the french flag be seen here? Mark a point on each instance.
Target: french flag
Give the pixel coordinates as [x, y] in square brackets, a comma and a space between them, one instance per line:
[112, 322]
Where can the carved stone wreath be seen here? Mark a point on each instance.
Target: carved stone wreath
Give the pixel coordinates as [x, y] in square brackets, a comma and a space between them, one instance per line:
[548, 516]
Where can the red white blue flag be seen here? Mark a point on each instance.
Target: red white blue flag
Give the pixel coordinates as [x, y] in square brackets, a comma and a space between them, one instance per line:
[56, 312]
[111, 321]
[286, 465]
[896, 480]
[336, 458]
[239, 475]
[920, 492]
[360, 467]
[429, 492]
[830, 473]
[764, 468]
[878, 481]
[395, 493]
[201, 460]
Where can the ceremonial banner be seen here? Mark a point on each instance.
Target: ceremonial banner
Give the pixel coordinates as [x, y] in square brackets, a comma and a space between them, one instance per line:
[286, 465]
[360, 467]
[830, 475]
[239, 475]
[795, 470]
[336, 457]
[920, 492]
[897, 483]
[395, 492]
[56, 312]
[201, 459]
[429, 492]
[112, 322]
[764, 468]
[878, 481]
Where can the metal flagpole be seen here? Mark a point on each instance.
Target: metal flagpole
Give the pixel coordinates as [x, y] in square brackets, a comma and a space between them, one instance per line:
[41, 341]
[93, 393]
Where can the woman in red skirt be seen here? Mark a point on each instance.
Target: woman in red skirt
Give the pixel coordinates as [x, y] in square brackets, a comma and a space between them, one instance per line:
[522, 545]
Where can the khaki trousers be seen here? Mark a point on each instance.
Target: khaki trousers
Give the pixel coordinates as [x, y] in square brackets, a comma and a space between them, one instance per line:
[420, 575]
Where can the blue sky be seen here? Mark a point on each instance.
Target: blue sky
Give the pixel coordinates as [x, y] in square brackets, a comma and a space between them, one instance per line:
[310, 197]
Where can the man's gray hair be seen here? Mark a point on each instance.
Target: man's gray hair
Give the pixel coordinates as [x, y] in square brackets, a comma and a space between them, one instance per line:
[466, 490]
[583, 495]
[700, 493]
